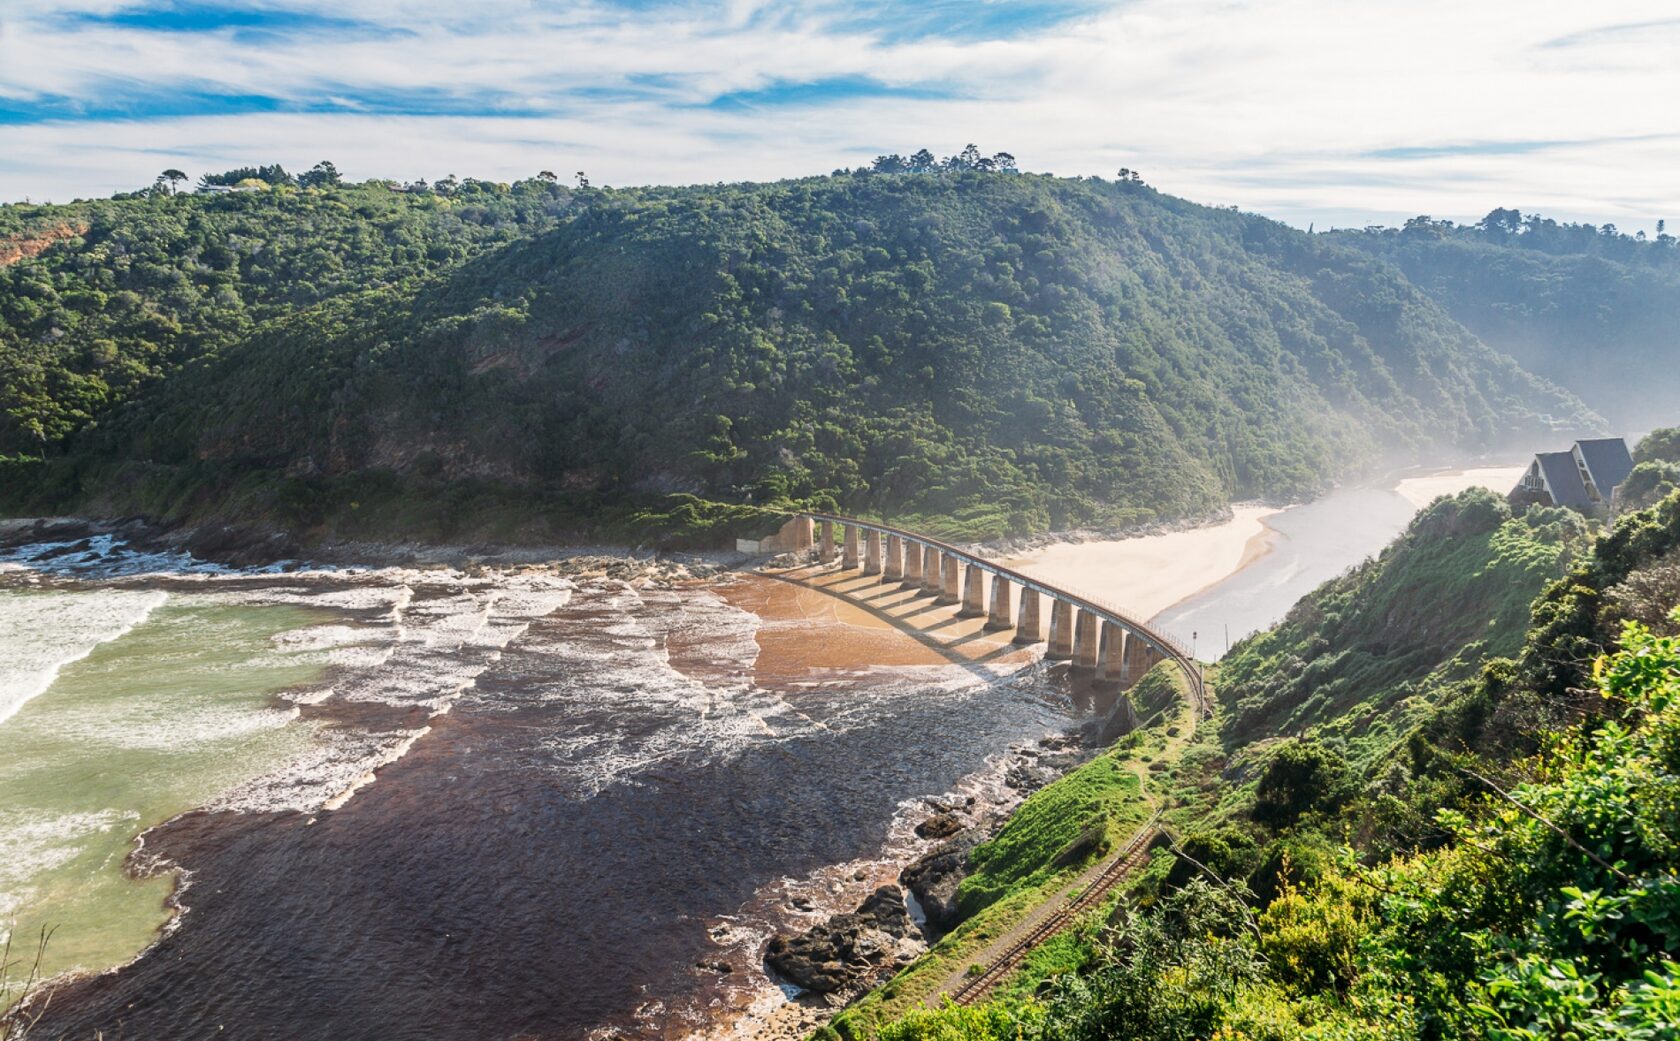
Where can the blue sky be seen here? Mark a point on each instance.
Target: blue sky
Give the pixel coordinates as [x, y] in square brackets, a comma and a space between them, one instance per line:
[1331, 112]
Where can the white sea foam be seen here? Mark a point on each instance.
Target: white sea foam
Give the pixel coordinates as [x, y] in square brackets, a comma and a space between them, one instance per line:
[425, 638]
[42, 632]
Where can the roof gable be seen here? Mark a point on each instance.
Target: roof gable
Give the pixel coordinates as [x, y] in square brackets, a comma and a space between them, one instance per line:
[1607, 461]
[1563, 479]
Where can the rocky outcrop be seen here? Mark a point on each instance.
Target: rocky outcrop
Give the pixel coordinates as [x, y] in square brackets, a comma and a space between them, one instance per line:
[849, 950]
[933, 879]
[939, 826]
[240, 546]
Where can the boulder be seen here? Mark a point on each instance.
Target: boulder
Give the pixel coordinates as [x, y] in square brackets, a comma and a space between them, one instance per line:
[849, 950]
[933, 879]
[939, 826]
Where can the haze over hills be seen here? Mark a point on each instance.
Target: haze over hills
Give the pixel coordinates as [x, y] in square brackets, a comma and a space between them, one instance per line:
[1580, 305]
[1009, 352]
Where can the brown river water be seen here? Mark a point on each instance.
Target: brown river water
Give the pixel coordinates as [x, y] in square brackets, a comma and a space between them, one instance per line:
[522, 805]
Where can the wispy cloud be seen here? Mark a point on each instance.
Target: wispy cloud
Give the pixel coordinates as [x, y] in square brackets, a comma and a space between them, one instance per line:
[1321, 110]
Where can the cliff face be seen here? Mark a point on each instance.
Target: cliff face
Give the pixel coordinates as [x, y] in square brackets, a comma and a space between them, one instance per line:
[23, 245]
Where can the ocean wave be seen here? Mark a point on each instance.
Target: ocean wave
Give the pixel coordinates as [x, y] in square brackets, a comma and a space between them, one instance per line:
[42, 632]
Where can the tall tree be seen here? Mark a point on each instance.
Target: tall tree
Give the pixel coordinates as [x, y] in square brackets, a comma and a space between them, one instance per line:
[322, 174]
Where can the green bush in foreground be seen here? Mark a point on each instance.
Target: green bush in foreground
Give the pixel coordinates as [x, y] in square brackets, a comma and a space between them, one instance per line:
[1553, 913]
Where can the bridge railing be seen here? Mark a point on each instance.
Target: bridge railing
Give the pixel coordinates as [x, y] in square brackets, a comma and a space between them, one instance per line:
[1165, 643]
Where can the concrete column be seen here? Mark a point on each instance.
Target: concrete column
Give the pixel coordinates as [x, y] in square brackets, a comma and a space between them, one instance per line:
[1152, 658]
[849, 558]
[1110, 658]
[933, 570]
[893, 569]
[872, 552]
[974, 593]
[948, 579]
[795, 535]
[1000, 615]
[913, 560]
[1135, 662]
[1027, 625]
[826, 552]
[1085, 641]
[1061, 631]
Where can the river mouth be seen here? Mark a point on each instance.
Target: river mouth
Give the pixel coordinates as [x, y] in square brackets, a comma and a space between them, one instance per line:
[521, 804]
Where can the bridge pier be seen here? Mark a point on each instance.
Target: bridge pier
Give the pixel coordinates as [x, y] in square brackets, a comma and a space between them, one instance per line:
[1135, 663]
[1111, 658]
[974, 593]
[948, 579]
[1027, 625]
[825, 551]
[1061, 631]
[999, 616]
[872, 552]
[933, 569]
[849, 556]
[893, 569]
[913, 560]
[1085, 641]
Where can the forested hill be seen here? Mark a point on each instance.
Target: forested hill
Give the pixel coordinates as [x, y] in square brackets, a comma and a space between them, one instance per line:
[1009, 352]
[1583, 306]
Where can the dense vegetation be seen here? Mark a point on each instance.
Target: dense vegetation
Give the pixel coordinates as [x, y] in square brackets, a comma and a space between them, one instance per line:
[124, 291]
[1496, 857]
[1582, 305]
[1006, 352]
[1656, 470]
[1366, 654]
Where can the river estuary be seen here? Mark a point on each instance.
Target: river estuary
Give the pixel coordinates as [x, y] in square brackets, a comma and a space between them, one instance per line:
[518, 802]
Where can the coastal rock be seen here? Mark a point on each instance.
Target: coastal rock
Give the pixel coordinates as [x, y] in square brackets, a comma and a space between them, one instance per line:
[933, 879]
[240, 546]
[939, 826]
[849, 949]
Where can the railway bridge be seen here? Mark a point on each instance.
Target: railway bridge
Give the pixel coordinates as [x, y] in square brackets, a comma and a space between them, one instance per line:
[1089, 633]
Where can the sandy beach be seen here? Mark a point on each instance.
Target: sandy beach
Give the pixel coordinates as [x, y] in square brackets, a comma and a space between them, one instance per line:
[1422, 490]
[1144, 576]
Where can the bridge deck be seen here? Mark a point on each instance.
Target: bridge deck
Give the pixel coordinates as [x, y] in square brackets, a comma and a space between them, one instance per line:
[1161, 642]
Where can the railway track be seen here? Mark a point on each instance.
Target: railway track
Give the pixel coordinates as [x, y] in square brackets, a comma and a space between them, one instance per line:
[1129, 859]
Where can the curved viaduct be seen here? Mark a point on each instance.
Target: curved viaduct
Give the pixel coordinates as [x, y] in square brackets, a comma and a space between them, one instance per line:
[1089, 633]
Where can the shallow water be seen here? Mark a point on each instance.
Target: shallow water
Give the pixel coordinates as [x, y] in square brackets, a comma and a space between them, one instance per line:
[438, 805]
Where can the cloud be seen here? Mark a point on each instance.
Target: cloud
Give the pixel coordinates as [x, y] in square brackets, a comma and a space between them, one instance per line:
[1309, 110]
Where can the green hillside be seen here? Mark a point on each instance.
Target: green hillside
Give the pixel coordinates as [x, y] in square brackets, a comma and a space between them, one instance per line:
[1004, 352]
[1465, 829]
[1582, 306]
[1367, 654]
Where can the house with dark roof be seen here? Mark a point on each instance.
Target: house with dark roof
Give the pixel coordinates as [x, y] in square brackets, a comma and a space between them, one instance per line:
[1584, 478]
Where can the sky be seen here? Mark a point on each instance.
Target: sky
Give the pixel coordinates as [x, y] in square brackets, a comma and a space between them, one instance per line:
[1317, 112]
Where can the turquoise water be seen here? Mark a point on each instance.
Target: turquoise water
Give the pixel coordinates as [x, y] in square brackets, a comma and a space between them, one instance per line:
[126, 708]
